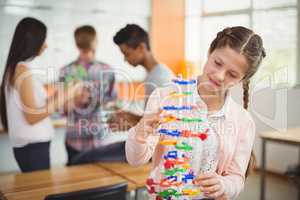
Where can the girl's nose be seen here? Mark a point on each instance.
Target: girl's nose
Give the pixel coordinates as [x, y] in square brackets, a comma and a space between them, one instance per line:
[220, 75]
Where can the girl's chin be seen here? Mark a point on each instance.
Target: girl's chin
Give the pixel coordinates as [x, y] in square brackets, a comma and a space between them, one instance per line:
[212, 88]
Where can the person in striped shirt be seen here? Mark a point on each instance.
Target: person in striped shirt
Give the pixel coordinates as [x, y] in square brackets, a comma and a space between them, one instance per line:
[85, 129]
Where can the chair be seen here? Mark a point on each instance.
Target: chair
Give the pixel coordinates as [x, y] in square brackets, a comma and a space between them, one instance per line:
[113, 192]
[111, 152]
[293, 173]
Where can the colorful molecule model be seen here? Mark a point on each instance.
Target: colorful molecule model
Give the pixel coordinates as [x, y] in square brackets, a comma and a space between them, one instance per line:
[177, 181]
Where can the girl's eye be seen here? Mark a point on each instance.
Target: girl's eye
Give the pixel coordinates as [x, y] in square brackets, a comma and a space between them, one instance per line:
[233, 75]
[218, 63]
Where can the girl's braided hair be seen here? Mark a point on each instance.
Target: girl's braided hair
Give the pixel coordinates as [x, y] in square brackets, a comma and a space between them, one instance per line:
[249, 44]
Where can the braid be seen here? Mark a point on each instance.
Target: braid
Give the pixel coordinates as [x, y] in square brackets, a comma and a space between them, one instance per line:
[252, 160]
[246, 93]
[247, 42]
[250, 45]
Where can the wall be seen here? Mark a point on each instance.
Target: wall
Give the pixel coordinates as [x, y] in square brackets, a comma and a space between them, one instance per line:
[274, 109]
[167, 32]
[282, 107]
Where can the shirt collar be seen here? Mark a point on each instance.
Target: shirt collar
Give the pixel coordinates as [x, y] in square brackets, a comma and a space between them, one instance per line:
[154, 69]
[86, 65]
[224, 110]
[220, 113]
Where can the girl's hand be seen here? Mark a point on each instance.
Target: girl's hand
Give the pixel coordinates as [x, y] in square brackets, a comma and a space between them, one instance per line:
[147, 126]
[210, 185]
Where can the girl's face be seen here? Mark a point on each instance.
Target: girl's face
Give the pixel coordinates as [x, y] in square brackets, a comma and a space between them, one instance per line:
[224, 68]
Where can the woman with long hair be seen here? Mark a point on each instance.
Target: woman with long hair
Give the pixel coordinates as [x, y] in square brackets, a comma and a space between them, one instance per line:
[25, 106]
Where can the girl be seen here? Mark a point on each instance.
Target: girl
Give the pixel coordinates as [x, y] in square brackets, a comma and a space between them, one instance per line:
[25, 108]
[234, 56]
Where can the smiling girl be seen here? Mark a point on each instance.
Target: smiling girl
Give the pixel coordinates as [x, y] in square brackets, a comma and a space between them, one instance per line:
[233, 57]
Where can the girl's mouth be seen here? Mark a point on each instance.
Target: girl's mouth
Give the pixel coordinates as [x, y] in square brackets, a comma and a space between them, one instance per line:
[214, 82]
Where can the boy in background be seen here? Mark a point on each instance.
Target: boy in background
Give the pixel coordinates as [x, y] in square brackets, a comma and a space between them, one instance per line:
[85, 130]
[134, 44]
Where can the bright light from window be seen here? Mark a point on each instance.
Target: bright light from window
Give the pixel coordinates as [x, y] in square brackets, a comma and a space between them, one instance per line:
[280, 42]
[212, 25]
[217, 5]
[272, 3]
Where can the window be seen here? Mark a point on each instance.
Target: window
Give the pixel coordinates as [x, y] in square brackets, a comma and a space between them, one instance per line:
[274, 20]
[257, 4]
[212, 25]
[280, 42]
[221, 6]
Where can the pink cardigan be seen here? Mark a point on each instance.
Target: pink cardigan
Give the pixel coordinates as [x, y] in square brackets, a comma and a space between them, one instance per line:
[236, 133]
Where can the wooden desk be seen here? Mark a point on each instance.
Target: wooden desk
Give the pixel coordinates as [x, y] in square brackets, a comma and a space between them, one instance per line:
[45, 178]
[291, 136]
[136, 175]
[41, 193]
[37, 185]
